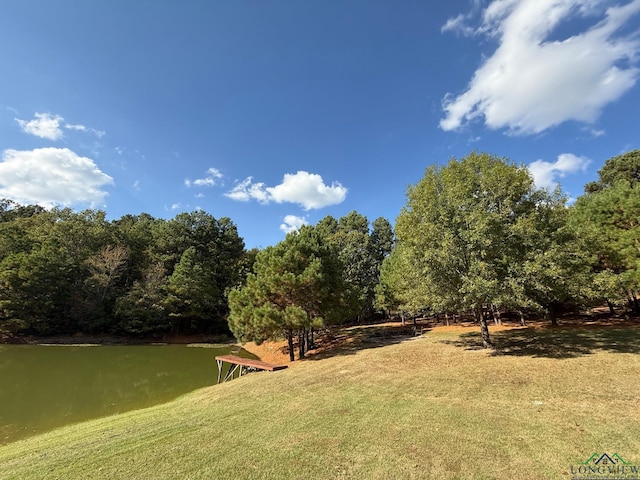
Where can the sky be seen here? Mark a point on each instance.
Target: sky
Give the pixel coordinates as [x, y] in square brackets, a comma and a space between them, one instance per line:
[277, 113]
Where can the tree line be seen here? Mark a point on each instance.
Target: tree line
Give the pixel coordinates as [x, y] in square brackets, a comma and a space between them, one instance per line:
[64, 272]
[475, 237]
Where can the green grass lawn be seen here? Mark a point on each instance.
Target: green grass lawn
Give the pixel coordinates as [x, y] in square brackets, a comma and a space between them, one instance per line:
[429, 407]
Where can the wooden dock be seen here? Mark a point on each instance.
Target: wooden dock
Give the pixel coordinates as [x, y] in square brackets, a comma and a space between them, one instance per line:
[242, 365]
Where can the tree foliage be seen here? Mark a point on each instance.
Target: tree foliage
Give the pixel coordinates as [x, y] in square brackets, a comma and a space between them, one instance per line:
[361, 251]
[63, 271]
[473, 235]
[621, 168]
[609, 215]
[297, 286]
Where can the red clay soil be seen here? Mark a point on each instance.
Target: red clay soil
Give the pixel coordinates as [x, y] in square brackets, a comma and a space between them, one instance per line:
[271, 352]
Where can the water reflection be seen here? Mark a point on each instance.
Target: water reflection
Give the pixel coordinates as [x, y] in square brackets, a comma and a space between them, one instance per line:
[44, 387]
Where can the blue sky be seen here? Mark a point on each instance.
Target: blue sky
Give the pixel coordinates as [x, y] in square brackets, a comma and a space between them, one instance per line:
[280, 112]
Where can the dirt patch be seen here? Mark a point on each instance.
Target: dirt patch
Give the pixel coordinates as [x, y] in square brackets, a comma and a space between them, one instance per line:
[328, 341]
[276, 353]
[466, 326]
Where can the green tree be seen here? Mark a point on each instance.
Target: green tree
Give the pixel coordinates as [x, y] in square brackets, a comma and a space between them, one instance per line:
[400, 288]
[611, 218]
[352, 242]
[10, 210]
[555, 259]
[468, 230]
[36, 289]
[215, 261]
[381, 242]
[625, 167]
[297, 286]
[139, 235]
[361, 252]
[81, 237]
[62, 271]
[193, 295]
[608, 215]
[141, 311]
[39, 276]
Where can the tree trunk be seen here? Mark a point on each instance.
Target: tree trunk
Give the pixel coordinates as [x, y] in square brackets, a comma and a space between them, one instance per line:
[484, 328]
[301, 336]
[636, 304]
[522, 322]
[290, 343]
[496, 315]
[629, 301]
[612, 310]
[312, 340]
[446, 319]
[552, 315]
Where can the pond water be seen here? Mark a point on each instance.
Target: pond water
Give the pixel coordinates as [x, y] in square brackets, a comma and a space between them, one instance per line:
[45, 387]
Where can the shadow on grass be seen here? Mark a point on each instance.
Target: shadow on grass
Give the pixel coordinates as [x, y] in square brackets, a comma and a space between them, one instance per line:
[557, 342]
[350, 340]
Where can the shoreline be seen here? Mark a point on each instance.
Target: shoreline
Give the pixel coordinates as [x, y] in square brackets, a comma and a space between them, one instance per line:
[97, 340]
[267, 352]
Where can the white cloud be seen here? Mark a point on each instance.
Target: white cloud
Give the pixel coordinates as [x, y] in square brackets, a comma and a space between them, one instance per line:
[533, 81]
[306, 189]
[292, 223]
[44, 125]
[247, 190]
[459, 25]
[83, 128]
[545, 174]
[212, 178]
[47, 125]
[51, 177]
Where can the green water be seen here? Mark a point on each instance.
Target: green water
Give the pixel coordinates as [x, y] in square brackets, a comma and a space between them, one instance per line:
[45, 387]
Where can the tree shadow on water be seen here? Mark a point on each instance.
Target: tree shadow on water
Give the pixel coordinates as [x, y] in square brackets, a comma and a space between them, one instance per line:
[557, 343]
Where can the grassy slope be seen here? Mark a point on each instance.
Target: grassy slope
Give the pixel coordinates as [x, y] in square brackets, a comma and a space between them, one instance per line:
[424, 408]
